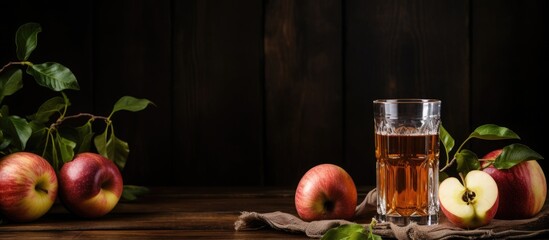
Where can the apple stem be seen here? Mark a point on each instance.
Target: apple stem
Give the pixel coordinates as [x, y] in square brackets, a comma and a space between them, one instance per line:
[448, 164]
[329, 205]
[38, 188]
[463, 179]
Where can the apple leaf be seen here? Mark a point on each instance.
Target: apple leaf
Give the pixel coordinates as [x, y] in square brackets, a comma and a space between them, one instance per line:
[467, 161]
[345, 231]
[447, 140]
[131, 192]
[66, 148]
[4, 142]
[36, 141]
[493, 132]
[118, 151]
[84, 135]
[129, 103]
[351, 231]
[18, 129]
[26, 39]
[53, 76]
[10, 82]
[514, 154]
[47, 109]
[112, 148]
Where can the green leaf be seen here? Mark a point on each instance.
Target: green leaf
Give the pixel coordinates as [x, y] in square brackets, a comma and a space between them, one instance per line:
[129, 103]
[118, 151]
[100, 142]
[18, 129]
[53, 76]
[36, 142]
[345, 231]
[4, 110]
[47, 109]
[4, 142]
[131, 192]
[493, 132]
[26, 39]
[84, 137]
[10, 82]
[65, 147]
[447, 140]
[467, 161]
[514, 154]
[112, 148]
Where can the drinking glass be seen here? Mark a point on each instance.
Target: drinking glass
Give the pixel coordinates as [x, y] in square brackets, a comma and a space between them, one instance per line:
[407, 160]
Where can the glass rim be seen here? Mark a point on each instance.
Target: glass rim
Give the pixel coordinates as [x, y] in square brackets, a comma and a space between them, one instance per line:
[406, 100]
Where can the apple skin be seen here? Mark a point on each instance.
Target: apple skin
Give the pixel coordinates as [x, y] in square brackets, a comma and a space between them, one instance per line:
[90, 185]
[326, 191]
[522, 188]
[483, 207]
[28, 186]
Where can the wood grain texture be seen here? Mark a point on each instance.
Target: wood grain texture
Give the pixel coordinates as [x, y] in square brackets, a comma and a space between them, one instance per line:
[132, 56]
[217, 93]
[166, 213]
[303, 88]
[256, 93]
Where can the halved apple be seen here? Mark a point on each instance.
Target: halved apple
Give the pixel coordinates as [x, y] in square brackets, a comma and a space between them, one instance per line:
[472, 204]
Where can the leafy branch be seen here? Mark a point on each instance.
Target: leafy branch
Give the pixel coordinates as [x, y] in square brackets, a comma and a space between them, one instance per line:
[467, 160]
[46, 132]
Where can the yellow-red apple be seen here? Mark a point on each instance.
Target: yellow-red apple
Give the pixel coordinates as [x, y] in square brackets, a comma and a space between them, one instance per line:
[28, 186]
[522, 188]
[326, 191]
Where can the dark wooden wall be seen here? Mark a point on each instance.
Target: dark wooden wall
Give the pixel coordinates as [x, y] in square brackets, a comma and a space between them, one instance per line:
[256, 92]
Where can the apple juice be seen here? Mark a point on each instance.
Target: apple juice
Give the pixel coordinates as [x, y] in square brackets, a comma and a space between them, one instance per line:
[407, 177]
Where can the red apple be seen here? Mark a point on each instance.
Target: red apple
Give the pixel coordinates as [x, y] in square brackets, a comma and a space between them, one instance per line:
[90, 185]
[522, 188]
[471, 205]
[326, 191]
[28, 186]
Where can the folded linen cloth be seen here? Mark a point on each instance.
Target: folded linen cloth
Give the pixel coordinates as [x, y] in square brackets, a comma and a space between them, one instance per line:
[535, 227]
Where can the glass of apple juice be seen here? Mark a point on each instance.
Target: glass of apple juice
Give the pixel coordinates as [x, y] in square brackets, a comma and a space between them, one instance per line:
[407, 160]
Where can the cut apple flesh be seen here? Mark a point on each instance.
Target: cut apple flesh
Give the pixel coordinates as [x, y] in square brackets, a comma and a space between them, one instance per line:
[469, 206]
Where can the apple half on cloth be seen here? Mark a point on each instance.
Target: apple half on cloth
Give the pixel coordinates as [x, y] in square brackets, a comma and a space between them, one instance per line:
[470, 205]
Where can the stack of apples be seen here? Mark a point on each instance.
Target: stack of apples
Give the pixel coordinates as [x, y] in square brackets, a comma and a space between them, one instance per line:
[515, 193]
[88, 186]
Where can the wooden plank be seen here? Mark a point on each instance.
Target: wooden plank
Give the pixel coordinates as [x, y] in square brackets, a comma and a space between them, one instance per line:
[402, 50]
[510, 70]
[217, 93]
[154, 234]
[303, 88]
[132, 56]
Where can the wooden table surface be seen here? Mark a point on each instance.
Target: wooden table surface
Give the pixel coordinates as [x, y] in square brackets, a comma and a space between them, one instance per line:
[169, 213]
[165, 213]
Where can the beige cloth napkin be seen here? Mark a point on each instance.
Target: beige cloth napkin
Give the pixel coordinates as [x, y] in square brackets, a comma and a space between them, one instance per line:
[536, 227]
